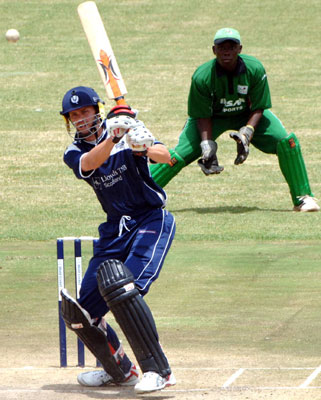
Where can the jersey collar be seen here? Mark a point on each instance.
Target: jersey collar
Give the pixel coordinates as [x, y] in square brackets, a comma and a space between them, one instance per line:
[240, 68]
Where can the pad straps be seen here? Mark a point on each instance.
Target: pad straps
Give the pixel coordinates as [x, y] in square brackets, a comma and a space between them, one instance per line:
[78, 320]
[117, 287]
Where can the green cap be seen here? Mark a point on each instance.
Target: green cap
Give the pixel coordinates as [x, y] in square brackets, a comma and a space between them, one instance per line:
[227, 34]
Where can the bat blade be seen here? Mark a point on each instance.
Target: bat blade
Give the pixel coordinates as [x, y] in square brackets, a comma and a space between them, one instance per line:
[102, 51]
[111, 77]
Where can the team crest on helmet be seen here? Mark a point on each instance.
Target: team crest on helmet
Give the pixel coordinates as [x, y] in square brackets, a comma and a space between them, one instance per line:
[74, 99]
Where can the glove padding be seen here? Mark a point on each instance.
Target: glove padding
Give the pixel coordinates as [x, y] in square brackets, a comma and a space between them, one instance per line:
[243, 138]
[122, 109]
[209, 162]
[118, 126]
[210, 166]
[140, 139]
[209, 148]
[120, 119]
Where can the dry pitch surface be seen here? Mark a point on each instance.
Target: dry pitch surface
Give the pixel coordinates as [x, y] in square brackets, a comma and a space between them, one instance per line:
[49, 382]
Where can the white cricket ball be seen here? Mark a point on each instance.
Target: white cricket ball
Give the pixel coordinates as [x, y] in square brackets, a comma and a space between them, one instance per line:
[12, 35]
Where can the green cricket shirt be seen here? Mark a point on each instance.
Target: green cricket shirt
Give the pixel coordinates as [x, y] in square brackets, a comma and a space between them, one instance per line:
[214, 92]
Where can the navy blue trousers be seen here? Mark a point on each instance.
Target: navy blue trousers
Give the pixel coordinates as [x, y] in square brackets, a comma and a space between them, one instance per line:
[141, 244]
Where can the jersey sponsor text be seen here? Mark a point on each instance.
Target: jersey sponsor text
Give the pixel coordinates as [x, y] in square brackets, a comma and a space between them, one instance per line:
[231, 105]
[110, 179]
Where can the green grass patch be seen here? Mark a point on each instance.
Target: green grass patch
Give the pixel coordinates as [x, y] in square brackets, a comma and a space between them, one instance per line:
[242, 276]
[245, 297]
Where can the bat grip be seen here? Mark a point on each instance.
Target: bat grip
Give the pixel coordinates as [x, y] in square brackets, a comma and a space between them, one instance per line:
[120, 101]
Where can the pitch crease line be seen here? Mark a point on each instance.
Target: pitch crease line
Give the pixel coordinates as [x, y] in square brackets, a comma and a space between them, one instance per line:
[30, 367]
[233, 377]
[310, 378]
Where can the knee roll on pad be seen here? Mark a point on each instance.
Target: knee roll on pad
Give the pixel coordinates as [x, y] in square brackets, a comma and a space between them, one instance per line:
[78, 320]
[115, 282]
[117, 287]
[163, 173]
[293, 167]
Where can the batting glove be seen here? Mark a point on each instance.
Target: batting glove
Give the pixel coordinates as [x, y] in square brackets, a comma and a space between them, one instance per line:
[140, 139]
[243, 138]
[117, 127]
[122, 109]
[119, 120]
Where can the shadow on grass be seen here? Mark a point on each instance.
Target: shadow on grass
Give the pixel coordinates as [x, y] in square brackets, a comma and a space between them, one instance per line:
[227, 209]
[109, 392]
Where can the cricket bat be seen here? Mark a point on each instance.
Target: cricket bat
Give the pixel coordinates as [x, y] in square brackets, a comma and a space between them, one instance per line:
[102, 51]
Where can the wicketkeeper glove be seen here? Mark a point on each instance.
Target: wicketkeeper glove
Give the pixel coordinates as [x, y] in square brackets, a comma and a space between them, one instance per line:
[120, 119]
[210, 166]
[209, 162]
[140, 139]
[209, 148]
[243, 138]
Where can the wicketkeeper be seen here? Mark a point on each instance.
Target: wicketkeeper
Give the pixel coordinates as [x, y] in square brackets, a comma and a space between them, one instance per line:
[231, 93]
[111, 155]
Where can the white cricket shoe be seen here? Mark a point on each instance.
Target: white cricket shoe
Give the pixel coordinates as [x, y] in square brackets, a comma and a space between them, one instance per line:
[101, 378]
[152, 381]
[307, 203]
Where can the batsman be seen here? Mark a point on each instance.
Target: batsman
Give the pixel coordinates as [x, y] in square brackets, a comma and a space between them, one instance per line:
[231, 93]
[111, 155]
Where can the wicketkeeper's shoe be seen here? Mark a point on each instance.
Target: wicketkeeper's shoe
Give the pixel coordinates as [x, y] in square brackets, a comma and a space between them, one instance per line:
[307, 203]
[101, 378]
[151, 381]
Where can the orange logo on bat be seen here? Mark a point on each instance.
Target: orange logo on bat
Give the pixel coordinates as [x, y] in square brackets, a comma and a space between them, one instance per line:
[107, 65]
[110, 74]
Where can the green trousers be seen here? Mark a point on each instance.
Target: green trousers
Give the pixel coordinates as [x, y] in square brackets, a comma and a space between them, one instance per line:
[270, 137]
[267, 135]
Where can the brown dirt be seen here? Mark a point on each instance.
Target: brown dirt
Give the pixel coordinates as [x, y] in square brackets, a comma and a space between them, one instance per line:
[32, 378]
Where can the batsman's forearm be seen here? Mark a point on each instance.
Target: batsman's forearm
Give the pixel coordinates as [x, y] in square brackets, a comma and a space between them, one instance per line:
[97, 155]
[204, 126]
[159, 154]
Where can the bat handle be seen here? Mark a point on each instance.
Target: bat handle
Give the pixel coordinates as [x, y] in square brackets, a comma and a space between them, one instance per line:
[120, 101]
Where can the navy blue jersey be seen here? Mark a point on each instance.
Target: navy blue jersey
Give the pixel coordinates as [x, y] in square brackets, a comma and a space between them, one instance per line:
[123, 184]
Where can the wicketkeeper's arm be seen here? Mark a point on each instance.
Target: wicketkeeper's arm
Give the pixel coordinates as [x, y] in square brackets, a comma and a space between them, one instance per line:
[255, 118]
[204, 126]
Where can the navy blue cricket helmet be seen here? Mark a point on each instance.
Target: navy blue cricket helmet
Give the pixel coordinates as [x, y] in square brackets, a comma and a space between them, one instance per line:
[78, 97]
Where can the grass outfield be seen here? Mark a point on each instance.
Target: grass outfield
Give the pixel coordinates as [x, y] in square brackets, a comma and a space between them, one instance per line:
[240, 286]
